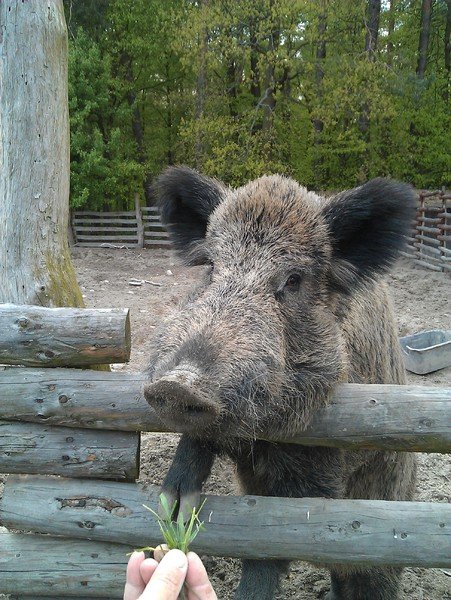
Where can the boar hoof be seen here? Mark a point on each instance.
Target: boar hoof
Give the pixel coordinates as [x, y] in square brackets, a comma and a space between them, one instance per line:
[181, 504]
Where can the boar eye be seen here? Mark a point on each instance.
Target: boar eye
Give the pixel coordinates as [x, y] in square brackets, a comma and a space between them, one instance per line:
[293, 282]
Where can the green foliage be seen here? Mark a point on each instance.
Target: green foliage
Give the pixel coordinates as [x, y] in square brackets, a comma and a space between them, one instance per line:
[239, 89]
[104, 170]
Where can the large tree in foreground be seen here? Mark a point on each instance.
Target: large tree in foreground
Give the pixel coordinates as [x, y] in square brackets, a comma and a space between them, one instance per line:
[35, 264]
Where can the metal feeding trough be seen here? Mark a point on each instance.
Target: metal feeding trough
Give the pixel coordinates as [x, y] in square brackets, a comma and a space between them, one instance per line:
[427, 351]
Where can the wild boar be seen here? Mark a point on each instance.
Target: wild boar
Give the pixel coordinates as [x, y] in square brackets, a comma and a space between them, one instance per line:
[293, 302]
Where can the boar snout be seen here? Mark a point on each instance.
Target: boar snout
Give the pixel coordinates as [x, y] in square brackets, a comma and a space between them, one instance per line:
[179, 404]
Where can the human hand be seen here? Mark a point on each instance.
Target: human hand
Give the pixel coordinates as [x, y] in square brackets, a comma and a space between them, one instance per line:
[148, 579]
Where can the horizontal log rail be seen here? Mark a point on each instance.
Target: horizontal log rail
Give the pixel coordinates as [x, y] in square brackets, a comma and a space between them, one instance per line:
[52, 567]
[71, 337]
[410, 418]
[319, 530]
[36, 448]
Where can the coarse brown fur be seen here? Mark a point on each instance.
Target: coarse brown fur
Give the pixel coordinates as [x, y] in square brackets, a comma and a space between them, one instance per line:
[293, 302]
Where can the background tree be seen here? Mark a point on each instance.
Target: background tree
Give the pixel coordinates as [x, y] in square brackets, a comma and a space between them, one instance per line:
[326, 91]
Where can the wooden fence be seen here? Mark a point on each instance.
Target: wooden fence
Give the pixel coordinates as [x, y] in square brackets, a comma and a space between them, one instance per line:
[140, 228]
[65, 431]
[430, 242]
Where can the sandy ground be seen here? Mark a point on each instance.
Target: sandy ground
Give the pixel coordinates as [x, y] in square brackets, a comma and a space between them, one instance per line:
[421, 300]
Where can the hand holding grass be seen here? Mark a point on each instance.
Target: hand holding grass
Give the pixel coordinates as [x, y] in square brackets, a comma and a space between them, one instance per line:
[148, 579]
[172, 573]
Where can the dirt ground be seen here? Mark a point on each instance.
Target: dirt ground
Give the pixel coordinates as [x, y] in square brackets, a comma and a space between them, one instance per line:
[421, 300]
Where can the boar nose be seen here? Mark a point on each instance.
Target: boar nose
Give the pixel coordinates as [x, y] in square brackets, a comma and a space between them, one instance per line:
[178, 403]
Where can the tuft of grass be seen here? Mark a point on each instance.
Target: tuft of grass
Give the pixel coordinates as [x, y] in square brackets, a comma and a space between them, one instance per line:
[176, 534]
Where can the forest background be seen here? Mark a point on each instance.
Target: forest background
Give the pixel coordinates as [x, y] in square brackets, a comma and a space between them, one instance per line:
[330, 92]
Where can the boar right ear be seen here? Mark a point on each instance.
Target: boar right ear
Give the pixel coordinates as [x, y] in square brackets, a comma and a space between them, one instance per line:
[186, 200]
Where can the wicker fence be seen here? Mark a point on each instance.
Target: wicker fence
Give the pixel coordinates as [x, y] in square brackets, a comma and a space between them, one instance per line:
[430, 242]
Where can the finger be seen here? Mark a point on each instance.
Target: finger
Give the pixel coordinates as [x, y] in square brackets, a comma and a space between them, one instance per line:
[147, 569]
[168, 578]
[134, 584]
[197, 582]
[160, 551]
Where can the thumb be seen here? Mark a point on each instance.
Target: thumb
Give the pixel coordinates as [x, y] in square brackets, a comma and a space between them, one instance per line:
[168, 578]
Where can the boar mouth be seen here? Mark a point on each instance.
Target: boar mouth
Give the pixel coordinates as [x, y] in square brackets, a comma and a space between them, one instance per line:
[180, 405]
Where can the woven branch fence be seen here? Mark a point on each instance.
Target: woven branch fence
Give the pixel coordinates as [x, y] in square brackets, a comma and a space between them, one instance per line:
[70, 443]
[429, 244]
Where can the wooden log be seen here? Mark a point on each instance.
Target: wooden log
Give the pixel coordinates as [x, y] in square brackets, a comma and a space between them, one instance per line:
[430, 193]
[118, 245]
[423, 263]
[430, 240]
[316, 529]
[40, 566]
[396, 417]
[157, 243]
[150, 218]
[433, 230]
[90, 221]
[35, 448]
[423, 219]
[88, 213]
[52, 337]
[154, 234]
[105, 228]
[110, 237]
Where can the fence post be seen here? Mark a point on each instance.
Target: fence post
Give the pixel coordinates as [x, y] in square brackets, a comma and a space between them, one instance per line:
[139, 221]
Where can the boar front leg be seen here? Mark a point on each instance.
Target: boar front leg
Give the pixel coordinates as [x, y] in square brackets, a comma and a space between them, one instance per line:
[188, 472]
[285, 471]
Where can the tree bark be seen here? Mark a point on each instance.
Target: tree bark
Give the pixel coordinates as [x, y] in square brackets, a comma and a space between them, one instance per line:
[426, 12]
[201, 89]
[319, 66]
[391, 29]
[447, 49]
[372, 27]
[35, 264]
[372, 32]
[255, 87]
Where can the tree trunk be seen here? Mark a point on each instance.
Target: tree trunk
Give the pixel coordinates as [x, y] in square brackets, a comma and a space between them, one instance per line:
[426, 11]
[201, 88]
[372, 32]
[391, 29]
[447, 47]
[255, 87]
[372, 27]
[319, 66]
[35, 264]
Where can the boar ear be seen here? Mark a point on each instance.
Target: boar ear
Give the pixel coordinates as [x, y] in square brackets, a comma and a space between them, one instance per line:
[186, 200]
[367, 226]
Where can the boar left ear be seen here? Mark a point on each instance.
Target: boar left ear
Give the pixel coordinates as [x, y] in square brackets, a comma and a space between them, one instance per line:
[186, 200]
[367, 226]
